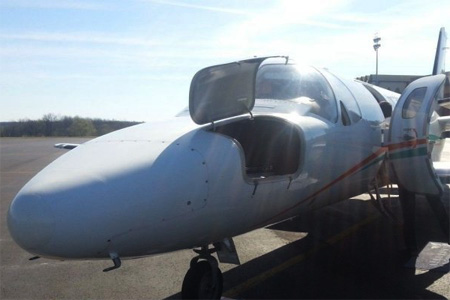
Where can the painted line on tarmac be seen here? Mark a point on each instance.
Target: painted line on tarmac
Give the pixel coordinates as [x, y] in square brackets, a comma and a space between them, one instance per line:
[248, 284]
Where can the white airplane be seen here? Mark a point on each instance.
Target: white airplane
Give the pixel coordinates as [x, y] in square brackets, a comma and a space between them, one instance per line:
[263, 140]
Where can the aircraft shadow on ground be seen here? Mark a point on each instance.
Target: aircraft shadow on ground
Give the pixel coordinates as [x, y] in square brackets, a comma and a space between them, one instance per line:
[350, 251]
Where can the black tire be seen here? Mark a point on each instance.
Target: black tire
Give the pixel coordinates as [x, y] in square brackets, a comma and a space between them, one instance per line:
[198, 283]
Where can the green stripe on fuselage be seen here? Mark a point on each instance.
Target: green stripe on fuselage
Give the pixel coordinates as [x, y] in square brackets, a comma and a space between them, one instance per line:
[434, 138]
[409, 153]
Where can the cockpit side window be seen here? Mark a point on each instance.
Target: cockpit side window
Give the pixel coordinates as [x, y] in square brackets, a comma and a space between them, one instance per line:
[303, 86]
[343, 93]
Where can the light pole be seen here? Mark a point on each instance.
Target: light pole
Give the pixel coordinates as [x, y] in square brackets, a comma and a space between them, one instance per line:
[376, 45]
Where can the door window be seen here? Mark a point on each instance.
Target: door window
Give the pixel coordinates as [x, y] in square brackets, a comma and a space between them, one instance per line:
[413, 103]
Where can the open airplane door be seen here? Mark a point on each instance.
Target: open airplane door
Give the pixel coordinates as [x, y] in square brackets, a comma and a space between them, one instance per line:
[410, 145]
[224, 91]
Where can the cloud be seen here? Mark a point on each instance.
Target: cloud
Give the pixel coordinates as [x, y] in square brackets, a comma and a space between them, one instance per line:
[49, 4]
[99, 38]
[277, 28]
[104, 78]
[332, 34]
[284, 27]
[118, 49]
[200, 7]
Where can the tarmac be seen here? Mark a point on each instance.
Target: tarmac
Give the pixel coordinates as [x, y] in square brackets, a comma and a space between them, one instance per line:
[347, 250]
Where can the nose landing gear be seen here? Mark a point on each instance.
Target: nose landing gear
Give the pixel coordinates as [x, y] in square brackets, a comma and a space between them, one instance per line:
[204, 278]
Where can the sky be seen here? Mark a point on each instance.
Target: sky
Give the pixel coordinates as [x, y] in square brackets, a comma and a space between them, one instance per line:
[134, 60]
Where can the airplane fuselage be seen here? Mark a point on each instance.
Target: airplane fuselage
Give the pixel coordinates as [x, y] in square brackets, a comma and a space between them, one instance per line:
[160, 187]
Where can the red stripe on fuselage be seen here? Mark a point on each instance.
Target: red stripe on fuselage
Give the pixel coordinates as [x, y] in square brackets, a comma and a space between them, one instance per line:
[412, 143]
[349, 172]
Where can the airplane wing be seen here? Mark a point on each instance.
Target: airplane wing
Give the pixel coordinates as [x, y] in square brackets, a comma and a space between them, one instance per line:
[444, 123]
[442, 169]
[66, 146]
[444, 103]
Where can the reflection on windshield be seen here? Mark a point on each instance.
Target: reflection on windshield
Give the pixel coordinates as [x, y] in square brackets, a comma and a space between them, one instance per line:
[304, 86]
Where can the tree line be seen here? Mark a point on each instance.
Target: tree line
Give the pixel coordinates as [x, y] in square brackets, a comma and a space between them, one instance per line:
[52, 125]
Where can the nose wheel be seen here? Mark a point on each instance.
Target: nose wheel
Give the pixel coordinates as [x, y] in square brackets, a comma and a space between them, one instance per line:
[204, 278]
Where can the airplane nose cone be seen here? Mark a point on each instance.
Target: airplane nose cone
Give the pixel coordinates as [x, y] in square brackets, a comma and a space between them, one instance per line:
[31, 221]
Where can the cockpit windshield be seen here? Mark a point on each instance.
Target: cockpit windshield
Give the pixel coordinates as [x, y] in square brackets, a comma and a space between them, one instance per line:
[304, 86]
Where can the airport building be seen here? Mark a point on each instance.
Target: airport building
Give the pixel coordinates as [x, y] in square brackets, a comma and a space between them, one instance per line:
[397, 83]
